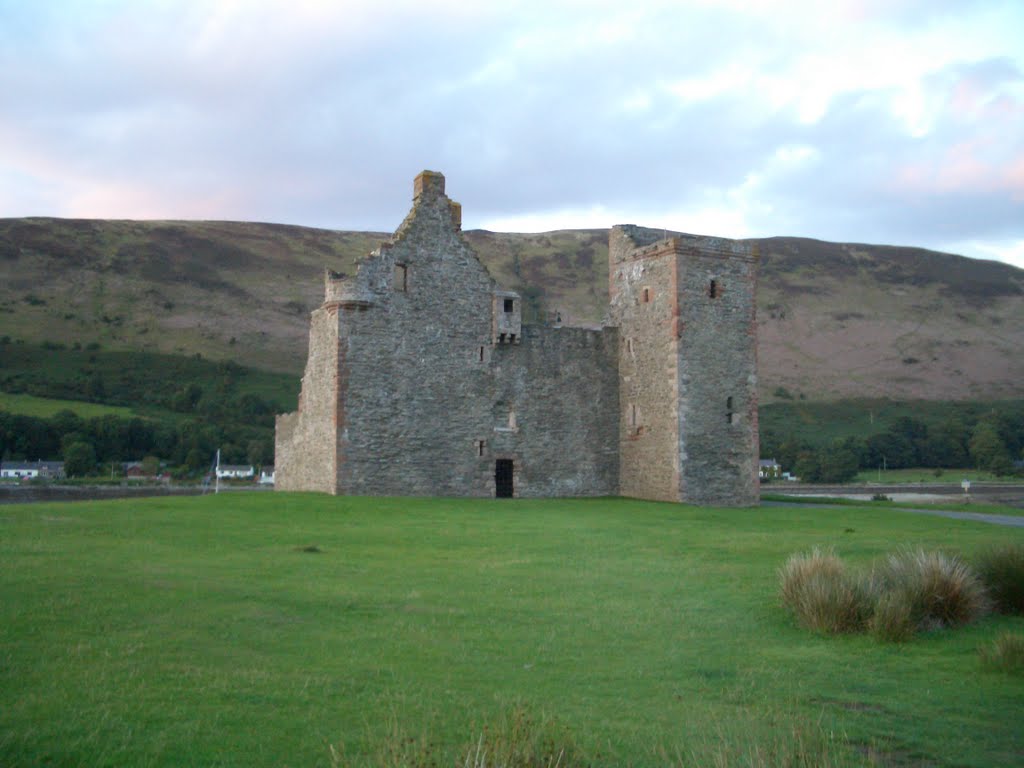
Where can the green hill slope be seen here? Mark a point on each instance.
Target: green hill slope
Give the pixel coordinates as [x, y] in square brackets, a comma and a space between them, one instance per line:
[837, 320]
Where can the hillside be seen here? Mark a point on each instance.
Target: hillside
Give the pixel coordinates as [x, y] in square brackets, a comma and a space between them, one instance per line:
[837, 320]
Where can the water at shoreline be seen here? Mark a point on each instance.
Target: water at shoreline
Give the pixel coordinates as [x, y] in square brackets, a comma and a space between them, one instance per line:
[28, 494]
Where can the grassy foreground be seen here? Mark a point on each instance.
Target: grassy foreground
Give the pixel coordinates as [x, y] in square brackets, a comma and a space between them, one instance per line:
[201, 631]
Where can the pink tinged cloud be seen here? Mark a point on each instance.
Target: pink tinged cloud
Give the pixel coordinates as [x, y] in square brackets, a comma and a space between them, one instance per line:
[965, 167]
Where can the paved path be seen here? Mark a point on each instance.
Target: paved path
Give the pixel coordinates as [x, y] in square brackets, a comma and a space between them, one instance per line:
[980, 517]
[1012, 521]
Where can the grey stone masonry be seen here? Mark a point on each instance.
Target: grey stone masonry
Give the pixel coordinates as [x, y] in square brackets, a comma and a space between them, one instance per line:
[422, 378]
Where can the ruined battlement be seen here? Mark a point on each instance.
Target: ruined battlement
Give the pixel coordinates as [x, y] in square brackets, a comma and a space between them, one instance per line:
[345, 292]
[422, 378]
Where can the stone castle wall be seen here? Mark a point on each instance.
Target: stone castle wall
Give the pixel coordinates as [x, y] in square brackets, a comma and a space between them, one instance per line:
[427, 376]
[718, 372]
[645, 307]
[304, 450]
[685, 307]
[422, 379]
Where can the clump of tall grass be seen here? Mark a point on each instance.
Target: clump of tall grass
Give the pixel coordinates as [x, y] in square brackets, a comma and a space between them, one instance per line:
[823, 595]
[1006, 653]
[520, 740]
[908, 592]
[922, 591]
[789, 742]
[516, 739]
[1001, 569]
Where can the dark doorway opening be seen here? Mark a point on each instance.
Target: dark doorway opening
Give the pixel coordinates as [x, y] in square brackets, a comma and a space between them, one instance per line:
[503, 487]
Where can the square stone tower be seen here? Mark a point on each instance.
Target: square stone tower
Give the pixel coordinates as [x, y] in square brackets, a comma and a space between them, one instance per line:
[685, 308]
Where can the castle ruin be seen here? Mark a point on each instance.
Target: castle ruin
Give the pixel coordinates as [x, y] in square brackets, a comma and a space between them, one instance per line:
[422, 378]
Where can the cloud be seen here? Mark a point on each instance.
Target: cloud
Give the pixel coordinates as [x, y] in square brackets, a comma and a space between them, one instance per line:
[856, 120]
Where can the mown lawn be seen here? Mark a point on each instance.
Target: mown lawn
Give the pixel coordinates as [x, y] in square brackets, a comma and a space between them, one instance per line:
[171, 632]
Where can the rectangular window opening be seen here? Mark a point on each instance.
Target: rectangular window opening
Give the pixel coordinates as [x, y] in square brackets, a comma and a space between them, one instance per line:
[510, 305]
[401, 278]
[511, 338]
[647, 295]
[481, 354]
[501, 338]
[480, 446]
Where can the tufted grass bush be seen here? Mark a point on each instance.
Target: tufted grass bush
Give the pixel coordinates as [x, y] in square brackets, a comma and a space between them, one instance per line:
[1005, 653]
[517, 738]
[893, 619]
[823, 595]
[908, 592]
[923, 591]
[1001, 569]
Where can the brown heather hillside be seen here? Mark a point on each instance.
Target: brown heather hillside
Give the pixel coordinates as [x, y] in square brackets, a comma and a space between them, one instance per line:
[837, 320]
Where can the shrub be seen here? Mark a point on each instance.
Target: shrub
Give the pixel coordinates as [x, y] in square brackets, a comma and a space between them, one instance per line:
[893, 618]
[1001, 569]
[822, 595]
[920, 590]
[1005, 654]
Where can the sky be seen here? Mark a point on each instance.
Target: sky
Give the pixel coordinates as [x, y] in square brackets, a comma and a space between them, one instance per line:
[881, 121]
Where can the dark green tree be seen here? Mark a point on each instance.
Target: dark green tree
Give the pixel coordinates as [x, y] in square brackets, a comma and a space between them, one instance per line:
[838, 463]
[79, 460]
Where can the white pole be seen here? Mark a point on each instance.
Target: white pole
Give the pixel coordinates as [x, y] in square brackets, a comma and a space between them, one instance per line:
[216, 472]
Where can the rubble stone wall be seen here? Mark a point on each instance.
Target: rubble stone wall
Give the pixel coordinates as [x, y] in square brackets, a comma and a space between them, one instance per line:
[421, 375]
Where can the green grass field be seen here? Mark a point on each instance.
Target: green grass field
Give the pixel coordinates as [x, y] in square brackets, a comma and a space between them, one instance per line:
[45, 407]
[924, 475]
[171, 632]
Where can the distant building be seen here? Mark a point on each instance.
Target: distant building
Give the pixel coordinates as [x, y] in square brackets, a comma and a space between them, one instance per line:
[235, 471]
[423, 379]
[27, 470]
[769, 469]
[267, 476]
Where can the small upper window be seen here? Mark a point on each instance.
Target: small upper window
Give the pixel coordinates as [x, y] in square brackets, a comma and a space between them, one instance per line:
[713, 290]
[647, 295]
[509, 305]
[401, 278]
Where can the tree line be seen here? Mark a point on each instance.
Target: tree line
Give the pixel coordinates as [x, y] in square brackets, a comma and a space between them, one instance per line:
[992, 443]
[90, 445]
